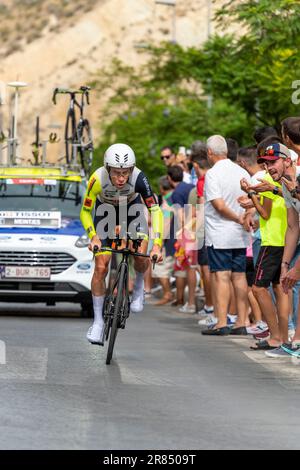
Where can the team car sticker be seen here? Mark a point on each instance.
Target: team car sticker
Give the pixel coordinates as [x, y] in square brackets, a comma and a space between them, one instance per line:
[43, 219]
[38, 181]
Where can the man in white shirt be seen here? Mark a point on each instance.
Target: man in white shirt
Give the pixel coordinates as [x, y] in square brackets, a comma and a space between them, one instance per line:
[226, 239]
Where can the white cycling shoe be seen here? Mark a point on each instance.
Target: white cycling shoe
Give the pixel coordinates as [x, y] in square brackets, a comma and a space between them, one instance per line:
[95, 334]
[137, 302]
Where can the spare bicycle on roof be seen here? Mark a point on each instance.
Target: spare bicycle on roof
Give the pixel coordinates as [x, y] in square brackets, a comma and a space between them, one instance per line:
[78, 135]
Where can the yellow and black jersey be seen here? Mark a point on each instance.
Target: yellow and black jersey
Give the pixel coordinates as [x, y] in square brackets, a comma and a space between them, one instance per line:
[100, 190]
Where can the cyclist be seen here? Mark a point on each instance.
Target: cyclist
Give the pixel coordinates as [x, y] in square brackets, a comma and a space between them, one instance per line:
[115, 190]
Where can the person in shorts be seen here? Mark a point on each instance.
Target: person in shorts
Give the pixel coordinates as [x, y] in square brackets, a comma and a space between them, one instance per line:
[273, 225]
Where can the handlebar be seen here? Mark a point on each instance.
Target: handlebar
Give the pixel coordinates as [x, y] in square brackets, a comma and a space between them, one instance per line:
[83, 90]
[125, 250]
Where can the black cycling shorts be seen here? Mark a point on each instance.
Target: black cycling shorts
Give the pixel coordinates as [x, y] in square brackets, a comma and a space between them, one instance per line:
[130, 217]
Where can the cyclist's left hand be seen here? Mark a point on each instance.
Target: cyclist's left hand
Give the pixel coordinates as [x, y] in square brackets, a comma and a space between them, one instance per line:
[156, 250]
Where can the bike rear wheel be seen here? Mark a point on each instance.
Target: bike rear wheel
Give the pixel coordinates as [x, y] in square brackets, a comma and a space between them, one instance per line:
[86, 147]
[70, 135]
[118, 305]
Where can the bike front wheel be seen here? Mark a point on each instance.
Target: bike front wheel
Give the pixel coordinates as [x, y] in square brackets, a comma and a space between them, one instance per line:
[118, 305]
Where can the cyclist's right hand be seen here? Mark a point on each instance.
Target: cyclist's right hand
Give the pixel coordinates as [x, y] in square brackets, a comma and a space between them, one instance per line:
[95, 242]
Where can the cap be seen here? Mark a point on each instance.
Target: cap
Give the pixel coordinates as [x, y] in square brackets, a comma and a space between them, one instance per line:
[273, 152]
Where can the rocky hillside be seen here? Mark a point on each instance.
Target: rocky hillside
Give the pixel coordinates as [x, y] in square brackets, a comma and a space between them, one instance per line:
[49, 43]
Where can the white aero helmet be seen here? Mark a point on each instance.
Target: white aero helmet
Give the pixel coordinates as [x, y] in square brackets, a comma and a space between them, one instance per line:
[119, 156]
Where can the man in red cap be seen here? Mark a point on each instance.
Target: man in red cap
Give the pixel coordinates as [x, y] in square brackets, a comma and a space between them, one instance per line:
[273, 224]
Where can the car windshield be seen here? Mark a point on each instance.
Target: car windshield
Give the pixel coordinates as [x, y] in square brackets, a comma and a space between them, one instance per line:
[53, 195]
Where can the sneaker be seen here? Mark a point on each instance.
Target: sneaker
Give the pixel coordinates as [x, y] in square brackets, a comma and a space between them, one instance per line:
[205, 311]
[187, 308]
[279, 352]
[231, 319]
[137, 302]
[258, 328]
[291, 349]
[211, 320]
[262, 335]
[95, 334]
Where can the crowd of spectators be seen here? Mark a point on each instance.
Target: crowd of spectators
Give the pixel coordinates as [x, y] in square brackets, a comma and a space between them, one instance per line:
[231, 237]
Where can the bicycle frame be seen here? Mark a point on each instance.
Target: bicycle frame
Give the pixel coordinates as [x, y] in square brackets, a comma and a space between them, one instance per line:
[74, 102]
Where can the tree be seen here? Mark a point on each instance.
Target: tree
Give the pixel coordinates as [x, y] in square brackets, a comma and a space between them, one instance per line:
[249, 77]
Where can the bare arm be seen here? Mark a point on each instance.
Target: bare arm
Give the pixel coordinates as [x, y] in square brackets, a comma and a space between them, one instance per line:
[289, 276]
[264, 186]
[264, 209]
[291, 236]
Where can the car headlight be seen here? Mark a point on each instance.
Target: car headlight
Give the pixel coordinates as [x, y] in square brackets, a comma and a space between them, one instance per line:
[83, 241]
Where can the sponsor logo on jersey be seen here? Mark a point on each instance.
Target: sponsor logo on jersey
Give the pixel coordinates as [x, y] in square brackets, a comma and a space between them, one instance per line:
[92, 182]
[88, 202]
[147, 185]
[150, 201]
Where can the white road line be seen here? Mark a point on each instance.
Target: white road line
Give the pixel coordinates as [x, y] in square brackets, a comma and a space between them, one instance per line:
[283, 368]
[25, 364]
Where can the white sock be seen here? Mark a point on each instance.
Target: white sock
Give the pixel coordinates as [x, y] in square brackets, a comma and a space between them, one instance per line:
[98, 306]
[139, 283]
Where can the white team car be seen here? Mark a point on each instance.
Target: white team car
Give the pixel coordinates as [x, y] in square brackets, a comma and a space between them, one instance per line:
[43, 246]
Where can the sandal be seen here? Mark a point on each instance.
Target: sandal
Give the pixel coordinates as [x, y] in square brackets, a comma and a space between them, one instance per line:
[263, 346]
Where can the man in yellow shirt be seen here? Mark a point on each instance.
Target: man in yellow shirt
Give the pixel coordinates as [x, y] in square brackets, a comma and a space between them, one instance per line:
[273, 225]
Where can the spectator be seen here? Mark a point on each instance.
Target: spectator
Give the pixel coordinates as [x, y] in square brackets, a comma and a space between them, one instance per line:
[290, 268]
[192, 170]
[201, 167]
[290, 130]
[273, 225]
[232, 148]
[180, 197]
[247, 159]
[164, 270]
[262, 133]
[225, 237]
[182, 161]
[168, 156]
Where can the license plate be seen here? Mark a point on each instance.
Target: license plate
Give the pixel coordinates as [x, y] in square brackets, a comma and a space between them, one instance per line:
[25, 272]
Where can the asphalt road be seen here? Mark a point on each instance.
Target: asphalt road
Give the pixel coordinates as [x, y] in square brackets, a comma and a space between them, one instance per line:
[168, 386]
